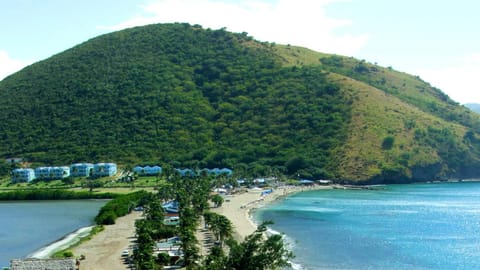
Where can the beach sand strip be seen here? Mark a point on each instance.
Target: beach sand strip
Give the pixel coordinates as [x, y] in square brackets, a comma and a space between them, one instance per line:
[104, 250]
[237, 207]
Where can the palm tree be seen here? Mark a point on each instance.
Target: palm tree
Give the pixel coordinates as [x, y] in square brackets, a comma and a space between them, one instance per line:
[144, 253]
[225, 229]
[154, 211]
[258, 252]
[220, 226]
[189, 247]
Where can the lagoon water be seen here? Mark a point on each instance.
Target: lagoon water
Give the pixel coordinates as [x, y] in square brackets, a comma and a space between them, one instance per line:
[26, 227]
[420, 226]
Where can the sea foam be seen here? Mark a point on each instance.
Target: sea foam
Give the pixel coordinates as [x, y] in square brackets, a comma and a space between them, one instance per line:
[63, 243]
[290, 244]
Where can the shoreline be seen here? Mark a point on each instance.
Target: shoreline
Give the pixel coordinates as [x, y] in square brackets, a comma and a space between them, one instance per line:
[43, 229]
[238, 207]
[104, 249]
[63, 243]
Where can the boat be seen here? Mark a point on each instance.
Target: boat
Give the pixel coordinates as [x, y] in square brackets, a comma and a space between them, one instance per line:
[171, 207]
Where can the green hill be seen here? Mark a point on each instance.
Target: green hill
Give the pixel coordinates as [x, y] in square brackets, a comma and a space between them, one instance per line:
[194, 97]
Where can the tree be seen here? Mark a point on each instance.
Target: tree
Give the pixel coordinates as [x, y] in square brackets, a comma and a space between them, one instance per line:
[154, 211]
[219, 225]
[92, 184]
[388, 142]
[215, 260]
[162, 259]
[189, 247]
[143, 255]
[168, 171]
[225, 229]
[295, 164]
[217, 200]
[257, 253]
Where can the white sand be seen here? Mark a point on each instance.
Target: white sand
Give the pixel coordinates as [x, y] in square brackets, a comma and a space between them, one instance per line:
[104, 250]
[237, 207]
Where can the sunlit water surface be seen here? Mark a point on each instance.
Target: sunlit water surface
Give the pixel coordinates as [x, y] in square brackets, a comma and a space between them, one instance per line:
[420, 226]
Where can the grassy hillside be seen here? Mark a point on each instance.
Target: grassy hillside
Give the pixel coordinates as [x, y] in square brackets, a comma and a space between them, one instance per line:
[409, 89]
[402, 129]
[195, 97]
[390, 140]
[432, 137]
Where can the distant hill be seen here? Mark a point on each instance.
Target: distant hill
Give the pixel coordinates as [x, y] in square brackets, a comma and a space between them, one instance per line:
[473, 106]
[191, 97]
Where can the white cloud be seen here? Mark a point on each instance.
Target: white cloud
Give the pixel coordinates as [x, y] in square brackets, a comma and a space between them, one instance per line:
[461, 80]
[296, 22]
[9, 65]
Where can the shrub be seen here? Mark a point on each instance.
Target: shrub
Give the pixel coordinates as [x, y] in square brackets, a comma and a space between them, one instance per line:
[120, 206]
[388, 142]
[68, 254]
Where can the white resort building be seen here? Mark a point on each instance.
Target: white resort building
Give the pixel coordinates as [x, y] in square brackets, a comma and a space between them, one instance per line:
[52, 172]
[23, 175]
[81, 169]
[61, 172]
[104, 169]
[147, 170]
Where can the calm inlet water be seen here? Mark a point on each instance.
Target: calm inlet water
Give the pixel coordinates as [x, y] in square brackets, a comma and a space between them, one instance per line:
[422, 226]
[26, 227]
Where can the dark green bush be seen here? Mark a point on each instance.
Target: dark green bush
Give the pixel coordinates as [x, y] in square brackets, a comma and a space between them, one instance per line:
[119, 206]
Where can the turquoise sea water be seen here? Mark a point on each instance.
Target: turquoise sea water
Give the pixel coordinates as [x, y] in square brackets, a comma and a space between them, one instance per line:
[26, 227]
[421, 226]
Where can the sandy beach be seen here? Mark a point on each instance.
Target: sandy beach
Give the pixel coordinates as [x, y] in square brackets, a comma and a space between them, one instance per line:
[237, 207]
[104, 250]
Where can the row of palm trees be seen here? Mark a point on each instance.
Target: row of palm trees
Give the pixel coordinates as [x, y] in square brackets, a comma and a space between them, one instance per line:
[219, 225]
[193, 195]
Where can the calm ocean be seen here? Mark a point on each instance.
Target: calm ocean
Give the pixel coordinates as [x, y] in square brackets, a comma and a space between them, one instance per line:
[26, 227]
[420, 226]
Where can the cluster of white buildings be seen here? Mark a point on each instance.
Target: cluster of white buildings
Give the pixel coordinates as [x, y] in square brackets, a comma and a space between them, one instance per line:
[101, 170]
[75, 170]
[156, 170]
[148, 170]
[214, 172]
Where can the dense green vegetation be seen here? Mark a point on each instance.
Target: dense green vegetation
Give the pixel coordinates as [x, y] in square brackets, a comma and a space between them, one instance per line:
[120, 206]
[184, 96]
[53, 194]
[172, 94]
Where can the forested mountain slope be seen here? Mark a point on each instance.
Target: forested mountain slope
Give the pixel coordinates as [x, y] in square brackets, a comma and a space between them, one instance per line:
[194, 97]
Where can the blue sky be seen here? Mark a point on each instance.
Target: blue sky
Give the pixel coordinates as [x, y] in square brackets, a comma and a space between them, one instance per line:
[436, 40]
